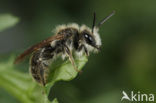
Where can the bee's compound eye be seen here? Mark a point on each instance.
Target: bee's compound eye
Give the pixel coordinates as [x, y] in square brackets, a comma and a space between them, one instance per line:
[89, 39]
[86, 35]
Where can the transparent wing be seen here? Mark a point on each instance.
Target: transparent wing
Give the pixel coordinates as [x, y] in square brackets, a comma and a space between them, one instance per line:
[37, 46]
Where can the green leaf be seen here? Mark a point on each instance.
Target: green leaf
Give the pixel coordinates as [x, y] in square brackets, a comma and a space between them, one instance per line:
[64, 71]
[54, 101]
[16, 83]
[7, 21]
[26, 90]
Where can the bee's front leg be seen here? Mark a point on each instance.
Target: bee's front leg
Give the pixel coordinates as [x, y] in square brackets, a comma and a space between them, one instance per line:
[81, 47]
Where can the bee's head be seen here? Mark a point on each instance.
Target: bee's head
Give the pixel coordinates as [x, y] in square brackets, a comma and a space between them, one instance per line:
[90, 40]
[90, 37]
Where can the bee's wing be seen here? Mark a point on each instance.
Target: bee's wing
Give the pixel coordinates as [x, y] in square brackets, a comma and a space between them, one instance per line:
[37, 46]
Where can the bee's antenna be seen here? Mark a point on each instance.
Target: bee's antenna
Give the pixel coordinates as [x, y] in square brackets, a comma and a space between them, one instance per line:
[105, 19]
[94, 21]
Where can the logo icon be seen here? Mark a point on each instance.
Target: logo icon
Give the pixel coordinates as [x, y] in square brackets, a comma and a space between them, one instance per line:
[137, 96]
[125, 96]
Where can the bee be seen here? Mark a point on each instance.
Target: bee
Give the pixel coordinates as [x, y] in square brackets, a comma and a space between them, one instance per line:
[68, 39]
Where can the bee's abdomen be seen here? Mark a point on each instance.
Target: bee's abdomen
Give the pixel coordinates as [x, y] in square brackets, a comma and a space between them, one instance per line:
[39, 64]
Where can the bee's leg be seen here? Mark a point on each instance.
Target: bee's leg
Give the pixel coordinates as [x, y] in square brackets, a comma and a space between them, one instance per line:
[42, 73]
[85, 49]
[80, 47]
[69, 53]
[46, 59]
[40, 62]
[37, 69]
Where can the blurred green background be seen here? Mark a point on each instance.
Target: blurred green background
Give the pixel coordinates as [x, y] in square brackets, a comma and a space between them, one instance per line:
[127, 59]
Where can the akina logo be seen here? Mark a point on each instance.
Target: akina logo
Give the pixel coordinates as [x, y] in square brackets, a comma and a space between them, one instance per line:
[137, 96]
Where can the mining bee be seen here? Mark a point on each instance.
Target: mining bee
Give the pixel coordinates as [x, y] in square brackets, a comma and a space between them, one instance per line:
[68, 40]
